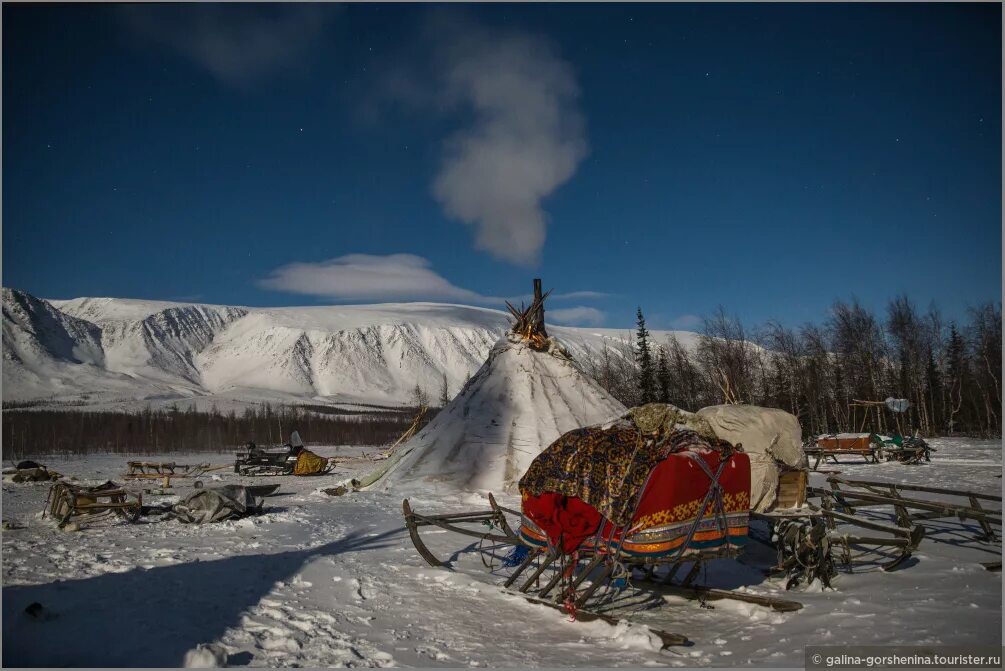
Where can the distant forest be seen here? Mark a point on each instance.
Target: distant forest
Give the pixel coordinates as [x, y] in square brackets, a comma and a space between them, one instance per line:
[44, 431]
[950, 373]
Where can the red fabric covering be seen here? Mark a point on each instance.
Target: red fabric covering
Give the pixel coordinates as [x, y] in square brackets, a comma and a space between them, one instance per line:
[670, 501]
[567, 520]
[678, 486]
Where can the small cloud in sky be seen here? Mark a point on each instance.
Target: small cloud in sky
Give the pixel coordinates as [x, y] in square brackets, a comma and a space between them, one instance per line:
[404, 277]
[367, 277]
[576, 316]
[686, 322]
[236, 43]
[524, 138]
[579, 295]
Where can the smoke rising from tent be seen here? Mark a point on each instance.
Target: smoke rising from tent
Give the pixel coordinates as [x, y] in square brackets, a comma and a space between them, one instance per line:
[526, 139]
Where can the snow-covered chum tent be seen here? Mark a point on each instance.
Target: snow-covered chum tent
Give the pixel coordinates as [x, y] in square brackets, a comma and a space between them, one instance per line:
[520, 401]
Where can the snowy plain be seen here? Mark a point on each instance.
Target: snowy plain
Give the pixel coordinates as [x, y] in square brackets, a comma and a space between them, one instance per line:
[334, 581]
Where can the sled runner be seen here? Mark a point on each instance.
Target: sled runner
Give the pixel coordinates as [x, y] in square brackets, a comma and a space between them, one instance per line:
[850, 494]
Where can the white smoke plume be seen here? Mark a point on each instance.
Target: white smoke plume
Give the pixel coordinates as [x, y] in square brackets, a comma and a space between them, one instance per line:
[525, 136]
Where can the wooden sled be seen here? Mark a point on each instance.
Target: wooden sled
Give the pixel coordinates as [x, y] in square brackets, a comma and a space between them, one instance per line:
[166, 471]
[66, 503]
[851, 494]
[592, 573]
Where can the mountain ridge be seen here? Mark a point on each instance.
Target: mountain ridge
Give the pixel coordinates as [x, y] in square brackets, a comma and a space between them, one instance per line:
[131, 353]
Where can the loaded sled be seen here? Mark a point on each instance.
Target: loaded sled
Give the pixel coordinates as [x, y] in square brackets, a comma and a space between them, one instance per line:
[871, 447]
[289, 459]
[603, 507]
[611, 510]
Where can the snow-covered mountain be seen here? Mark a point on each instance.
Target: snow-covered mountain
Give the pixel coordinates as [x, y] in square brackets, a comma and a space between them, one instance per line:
[113, 352]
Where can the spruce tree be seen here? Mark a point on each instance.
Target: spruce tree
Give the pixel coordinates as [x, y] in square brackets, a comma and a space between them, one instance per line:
[933, 383]
[444, 393]
[419, 398]
[644, 358]
[663, 375]
[956, 374]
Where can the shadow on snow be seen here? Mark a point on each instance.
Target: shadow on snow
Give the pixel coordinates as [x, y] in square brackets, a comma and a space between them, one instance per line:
[149, 617]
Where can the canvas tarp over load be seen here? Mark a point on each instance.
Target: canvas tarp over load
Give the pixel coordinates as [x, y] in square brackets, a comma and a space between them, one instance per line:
[309, 463]
[216, 504]
[648, 492]
[772, 438]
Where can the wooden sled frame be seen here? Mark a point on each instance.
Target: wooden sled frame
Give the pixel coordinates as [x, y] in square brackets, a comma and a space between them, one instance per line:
[821, 455]
[903, 538]
[538, 586]
[66, 502]
[852, 493]
[167, 471]
[913, 451]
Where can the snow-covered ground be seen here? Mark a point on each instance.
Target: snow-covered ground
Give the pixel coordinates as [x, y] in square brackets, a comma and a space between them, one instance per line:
[334, 581]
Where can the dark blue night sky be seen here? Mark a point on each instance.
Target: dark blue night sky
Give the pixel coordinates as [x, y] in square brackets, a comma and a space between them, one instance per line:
[769, 158]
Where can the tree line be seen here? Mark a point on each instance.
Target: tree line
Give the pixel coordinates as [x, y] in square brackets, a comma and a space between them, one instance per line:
[949, 372]
[53, 432]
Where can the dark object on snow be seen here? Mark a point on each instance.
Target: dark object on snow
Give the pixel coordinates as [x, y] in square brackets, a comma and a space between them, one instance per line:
[260, 461]
[340, 490]
[290, 459]
[34, 473]
[216, 504]
[28, 463]
[39, 612]
[161, 509]
[66, 501]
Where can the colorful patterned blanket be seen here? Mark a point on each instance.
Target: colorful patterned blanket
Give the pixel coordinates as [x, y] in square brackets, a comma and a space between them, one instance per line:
[607, 468]
[640, 491]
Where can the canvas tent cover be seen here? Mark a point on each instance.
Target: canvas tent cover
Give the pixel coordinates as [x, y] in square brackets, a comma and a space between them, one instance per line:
[771, 437]
[519, 401]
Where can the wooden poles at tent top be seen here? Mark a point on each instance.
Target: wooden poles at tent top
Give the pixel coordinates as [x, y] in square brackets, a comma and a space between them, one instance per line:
[529, 322]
